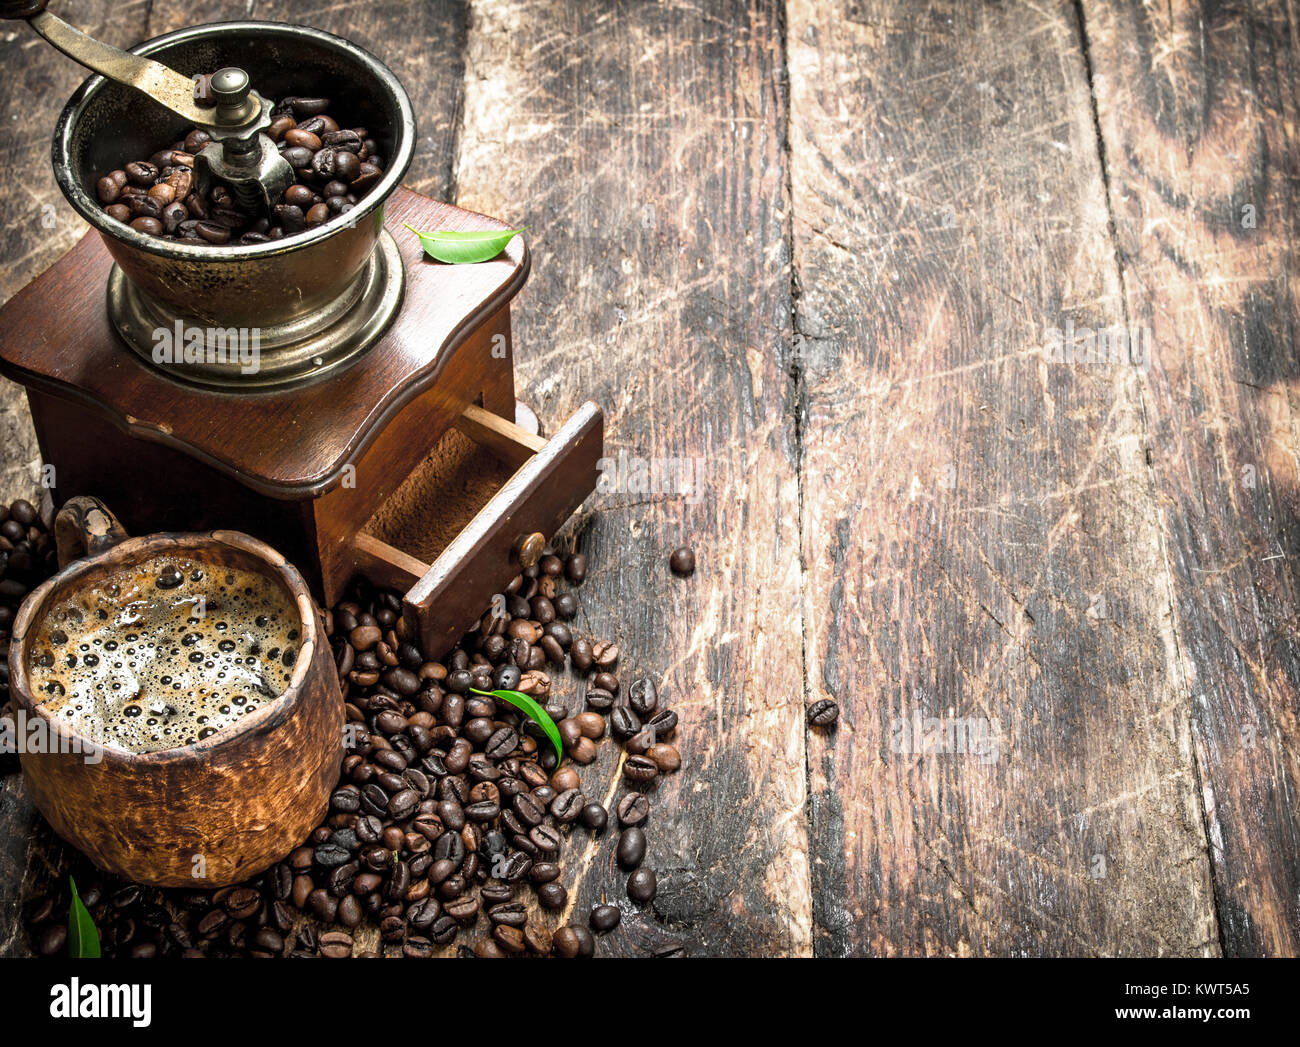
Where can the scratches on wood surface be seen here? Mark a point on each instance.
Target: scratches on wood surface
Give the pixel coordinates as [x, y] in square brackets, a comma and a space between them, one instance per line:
[811, 256]
[1197, 113]
[985, 528]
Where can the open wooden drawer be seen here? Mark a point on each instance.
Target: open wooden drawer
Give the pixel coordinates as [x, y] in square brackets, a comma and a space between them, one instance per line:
[474, 513]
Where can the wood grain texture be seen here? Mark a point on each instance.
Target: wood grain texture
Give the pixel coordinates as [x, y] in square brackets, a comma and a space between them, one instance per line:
[979, 532]
[644, 146]
[1198, 109]
[39, 226]
[979, 523]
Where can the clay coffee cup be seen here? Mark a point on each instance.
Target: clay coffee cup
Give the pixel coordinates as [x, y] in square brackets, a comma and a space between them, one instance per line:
[201, 811]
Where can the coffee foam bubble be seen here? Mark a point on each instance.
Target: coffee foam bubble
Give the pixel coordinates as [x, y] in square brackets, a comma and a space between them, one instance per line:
[164, 653]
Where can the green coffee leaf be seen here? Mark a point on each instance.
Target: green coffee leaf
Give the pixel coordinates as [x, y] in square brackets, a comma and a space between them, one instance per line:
[521, 701]
[463, 248]
[83, 938]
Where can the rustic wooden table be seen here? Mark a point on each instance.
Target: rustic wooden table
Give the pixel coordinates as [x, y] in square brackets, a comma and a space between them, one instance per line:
[819, 250]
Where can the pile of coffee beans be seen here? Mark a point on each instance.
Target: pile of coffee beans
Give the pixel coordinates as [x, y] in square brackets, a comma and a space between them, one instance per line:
[335, 167]
[27, 558]
[451, 815]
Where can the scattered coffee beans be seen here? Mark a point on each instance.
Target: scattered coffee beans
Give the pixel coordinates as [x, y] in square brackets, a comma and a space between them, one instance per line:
[335, 167]
[450, 817]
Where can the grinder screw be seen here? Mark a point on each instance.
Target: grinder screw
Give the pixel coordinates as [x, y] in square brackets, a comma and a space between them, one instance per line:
[230, 86]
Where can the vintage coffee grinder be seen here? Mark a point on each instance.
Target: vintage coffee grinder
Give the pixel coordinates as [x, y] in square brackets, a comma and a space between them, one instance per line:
[377, 433]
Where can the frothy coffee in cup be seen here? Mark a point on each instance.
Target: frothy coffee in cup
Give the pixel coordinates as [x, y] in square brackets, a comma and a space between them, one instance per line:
[164, 653]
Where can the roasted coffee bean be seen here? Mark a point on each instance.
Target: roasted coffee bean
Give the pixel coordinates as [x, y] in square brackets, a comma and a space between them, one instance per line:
[564, 779]
[423, 914]
[543, 872]
[240, 902]
[604, 918]
[107, 190]
[513, 913]
[583, 752]
[509, 938]
[343, 140]
[594, 817]
[545, 838]
[599, 699]
[517, 866]
[306, 107]
[570, 732]
[463, 909]
[141, 173]
[483, 811]
[682, 560]
[416, 947]
[336, 945]
[640, 769]
[580, 653]
[576, 568]
[172, 217]
[567, 806]
[552, 896]
[52, 940]
[528, 809]
[538, 940]
[296, 136]
[269, 940]
[278, 127]
[623, 722]
[450, 846]
[339, 880]
[663, 723]
[553, 650]
[501, 744]
[665, 756]
[368, 175]
[444, 929]
[399, 881]
[823, 713]
[591, 725]
[323, 904]
[643, 696]
[632, 809]
[212, 923]
[631, 847]
[403, 804]
[496, 893]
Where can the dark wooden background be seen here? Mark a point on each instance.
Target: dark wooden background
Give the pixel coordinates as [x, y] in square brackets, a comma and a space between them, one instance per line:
[817, 245]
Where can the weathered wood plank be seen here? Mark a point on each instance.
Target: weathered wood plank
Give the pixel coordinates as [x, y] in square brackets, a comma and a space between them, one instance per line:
[1198, 109]
[644, 146]
[37, 225]
[979, 523]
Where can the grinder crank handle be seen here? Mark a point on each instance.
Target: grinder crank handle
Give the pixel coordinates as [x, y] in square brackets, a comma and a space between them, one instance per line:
[164, 85]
